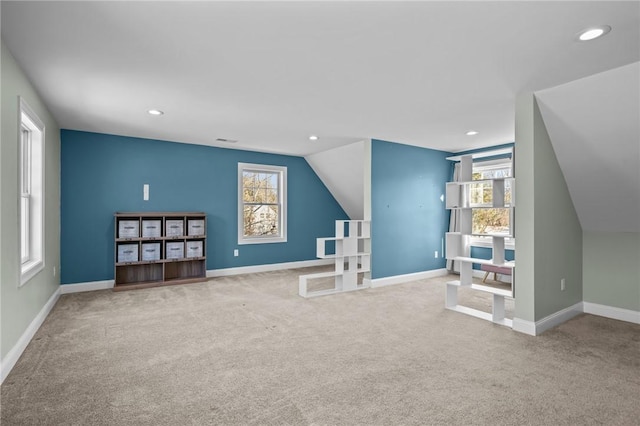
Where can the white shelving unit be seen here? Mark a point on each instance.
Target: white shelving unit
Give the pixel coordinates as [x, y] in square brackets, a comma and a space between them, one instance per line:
[460, 197]
[351, 258]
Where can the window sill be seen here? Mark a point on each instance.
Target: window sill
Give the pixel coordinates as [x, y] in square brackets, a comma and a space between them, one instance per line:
[261, 241]
[30, 270]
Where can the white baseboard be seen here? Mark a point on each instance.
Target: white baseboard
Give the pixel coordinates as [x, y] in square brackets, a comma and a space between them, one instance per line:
[405, 278]
[612, 312]
[558, 318]
[10, 360]
[267, 268]
[524, 326]
[548, 322]
[88, 286]
[108, 284]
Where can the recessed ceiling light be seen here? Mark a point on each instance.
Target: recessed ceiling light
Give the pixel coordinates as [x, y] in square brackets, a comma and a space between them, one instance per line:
[594, 32]
[313, 138]
[471, 133]
[155, 112]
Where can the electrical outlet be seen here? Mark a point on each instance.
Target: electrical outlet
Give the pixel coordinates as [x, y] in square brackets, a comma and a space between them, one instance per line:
[563, 285]
[236, 252]
[54, 271]
[145, 192]
[435, 254]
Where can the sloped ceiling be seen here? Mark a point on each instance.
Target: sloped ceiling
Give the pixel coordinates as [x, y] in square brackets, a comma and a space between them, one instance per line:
[270, 73]
[594, 125]
[342, 171]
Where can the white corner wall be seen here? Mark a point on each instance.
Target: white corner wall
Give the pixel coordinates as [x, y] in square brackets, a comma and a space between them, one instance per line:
[612, 269]
[342, 172]
[21, 307]
[548, 231]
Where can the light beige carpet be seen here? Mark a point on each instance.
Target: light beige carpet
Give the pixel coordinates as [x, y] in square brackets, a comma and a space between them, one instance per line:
[248, 350]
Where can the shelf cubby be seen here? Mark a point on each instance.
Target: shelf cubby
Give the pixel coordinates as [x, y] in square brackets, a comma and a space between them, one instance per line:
[349, 249]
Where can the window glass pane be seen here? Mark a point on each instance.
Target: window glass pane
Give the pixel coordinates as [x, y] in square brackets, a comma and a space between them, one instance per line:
[271, 195]
[248, 187]
[261, 220]
[262, 180]
[24, 229]
[25, 158]
[272, 181]
[490, 221]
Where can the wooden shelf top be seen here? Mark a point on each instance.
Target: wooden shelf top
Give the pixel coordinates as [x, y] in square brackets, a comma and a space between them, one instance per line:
[157, 214]
[151, 239]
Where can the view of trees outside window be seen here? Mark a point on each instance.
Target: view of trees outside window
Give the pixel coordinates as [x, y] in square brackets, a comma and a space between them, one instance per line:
[493, 221]
[261, 203]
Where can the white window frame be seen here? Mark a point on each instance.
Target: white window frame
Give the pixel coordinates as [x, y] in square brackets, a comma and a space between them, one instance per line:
[476, 241]
[31, 172]
[282, 203]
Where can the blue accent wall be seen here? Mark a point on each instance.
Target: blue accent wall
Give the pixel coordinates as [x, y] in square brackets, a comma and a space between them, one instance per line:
[486, 253]
[408, 218]
[102, 174]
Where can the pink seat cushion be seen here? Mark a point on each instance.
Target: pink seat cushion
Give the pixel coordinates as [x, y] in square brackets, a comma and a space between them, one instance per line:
[496, 269]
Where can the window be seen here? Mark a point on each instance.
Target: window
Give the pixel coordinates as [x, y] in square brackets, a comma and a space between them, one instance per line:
[487, 220]
[31, 164]
[262, 208]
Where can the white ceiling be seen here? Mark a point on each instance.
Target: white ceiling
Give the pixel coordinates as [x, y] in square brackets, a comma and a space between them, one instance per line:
[269, 74]
[594, 126]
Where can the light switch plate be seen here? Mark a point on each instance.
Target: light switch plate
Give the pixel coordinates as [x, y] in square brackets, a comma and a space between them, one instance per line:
[145, 192]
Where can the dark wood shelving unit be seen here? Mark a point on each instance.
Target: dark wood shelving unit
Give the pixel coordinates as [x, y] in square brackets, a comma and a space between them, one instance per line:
[142, 240]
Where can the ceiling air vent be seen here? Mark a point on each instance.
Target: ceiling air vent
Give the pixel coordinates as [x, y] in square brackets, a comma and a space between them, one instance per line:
[226, 140]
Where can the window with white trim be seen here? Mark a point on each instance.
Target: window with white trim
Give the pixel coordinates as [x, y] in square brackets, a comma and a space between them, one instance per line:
[262, 204]
[31, 181]
[490, 221]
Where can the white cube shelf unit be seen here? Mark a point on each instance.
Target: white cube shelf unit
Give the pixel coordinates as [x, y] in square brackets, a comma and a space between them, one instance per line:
[469, 197]
[350, 254]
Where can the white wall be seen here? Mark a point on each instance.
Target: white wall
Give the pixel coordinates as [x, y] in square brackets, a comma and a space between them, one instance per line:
[342, 172]
[21, 305]
[611, 265]
[548, 231]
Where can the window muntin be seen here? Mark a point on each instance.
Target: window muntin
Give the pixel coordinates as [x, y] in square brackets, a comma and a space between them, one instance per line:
[261, 204]
[31, 140]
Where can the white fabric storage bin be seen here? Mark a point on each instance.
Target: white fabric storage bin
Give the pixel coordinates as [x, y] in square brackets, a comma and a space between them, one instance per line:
[128, 229]
[174, 228]
[196, 227]
[127, 253]
[194, 248]
[175, 250]
[151, 228]
[150, 251]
